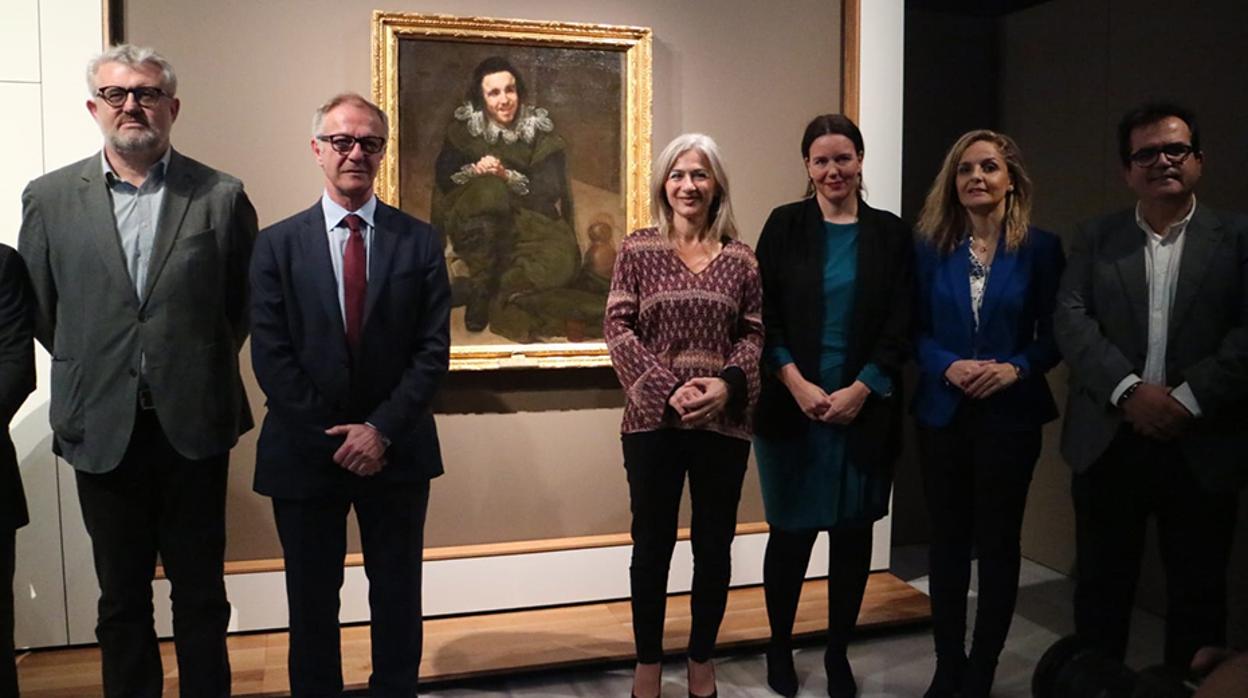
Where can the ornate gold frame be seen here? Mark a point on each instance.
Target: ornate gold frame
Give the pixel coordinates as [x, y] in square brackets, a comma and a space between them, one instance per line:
[389, 28]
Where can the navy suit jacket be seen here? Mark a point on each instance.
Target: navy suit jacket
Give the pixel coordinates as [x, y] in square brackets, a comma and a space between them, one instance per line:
[310, 378]
[1015, 326]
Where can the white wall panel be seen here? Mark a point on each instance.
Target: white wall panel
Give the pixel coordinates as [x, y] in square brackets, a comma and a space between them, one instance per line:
[23, 125]
[82, 591]
[38, 586]
[472, 585]
[48, 42]
[882, 69]
[70, 35]
[19, 40]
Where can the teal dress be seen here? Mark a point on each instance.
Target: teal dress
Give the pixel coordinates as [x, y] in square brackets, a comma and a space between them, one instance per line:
[808, 481]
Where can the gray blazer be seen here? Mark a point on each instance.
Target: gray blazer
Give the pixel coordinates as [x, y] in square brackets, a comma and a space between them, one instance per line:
[1101, 327]
[189, 323]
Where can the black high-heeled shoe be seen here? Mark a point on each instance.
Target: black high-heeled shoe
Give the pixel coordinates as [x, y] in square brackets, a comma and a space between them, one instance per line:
[781, 673]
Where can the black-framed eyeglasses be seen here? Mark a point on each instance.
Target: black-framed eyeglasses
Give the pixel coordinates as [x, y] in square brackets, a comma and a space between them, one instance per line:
[115, 96]
[1174, 152]
[342, 143]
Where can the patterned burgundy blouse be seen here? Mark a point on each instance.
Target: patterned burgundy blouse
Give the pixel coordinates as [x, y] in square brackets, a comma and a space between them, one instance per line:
[665, 325]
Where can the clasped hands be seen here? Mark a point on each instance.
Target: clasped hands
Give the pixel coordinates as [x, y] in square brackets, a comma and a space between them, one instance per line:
[488, 164]
[700, 400]
[837, 407]
[363, 452]
[980, 378]
[1153, 412]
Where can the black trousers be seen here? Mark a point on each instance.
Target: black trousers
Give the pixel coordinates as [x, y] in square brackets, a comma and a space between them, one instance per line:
[158, 502]
[784, 573]
[657, 462]
[313, 533]
[8, 670]
[1136, 478]
[976, 480]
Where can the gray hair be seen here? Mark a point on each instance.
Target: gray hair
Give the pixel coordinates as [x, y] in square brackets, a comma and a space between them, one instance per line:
[135, 58]
[721, 221]
[348, 98]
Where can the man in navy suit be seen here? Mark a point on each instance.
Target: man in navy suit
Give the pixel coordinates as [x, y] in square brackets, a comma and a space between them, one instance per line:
[350, 305]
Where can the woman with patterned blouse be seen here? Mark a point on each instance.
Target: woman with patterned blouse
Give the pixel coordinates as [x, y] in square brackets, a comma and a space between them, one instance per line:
[987, 286]
[684, 329]
[837, 293]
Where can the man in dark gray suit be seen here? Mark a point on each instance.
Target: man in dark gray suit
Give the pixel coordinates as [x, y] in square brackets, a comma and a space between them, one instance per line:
[138, 257]
[1152, 318]
[17, 379]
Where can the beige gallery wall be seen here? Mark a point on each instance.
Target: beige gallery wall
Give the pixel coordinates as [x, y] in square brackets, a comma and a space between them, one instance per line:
[532, 454]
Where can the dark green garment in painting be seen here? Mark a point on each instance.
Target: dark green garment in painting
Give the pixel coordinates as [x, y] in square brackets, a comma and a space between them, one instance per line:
[808, 482]
[514, 235]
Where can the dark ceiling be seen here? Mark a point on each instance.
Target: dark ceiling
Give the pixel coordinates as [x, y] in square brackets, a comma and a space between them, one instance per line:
[973, 8]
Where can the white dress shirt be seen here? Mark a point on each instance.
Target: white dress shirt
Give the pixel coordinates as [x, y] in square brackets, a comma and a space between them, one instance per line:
[1162, 258]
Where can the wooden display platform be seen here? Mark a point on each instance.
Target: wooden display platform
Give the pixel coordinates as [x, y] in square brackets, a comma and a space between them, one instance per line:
[494, 643]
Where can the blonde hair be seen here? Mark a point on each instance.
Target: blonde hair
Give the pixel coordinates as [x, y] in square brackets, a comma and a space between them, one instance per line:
[944, 222]
[720, 222]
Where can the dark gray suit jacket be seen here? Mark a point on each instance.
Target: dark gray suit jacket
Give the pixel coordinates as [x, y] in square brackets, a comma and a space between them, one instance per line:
[1101, 327]
[17, 379]
[189, 322]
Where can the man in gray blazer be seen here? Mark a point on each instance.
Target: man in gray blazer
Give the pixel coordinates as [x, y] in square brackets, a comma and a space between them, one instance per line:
[138, 258]
[1152, 319]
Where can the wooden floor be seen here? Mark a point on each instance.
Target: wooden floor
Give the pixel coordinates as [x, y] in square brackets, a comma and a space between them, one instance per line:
[495, 643]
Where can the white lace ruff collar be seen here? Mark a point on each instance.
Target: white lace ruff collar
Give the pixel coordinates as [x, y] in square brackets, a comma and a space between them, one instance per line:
[528, 122]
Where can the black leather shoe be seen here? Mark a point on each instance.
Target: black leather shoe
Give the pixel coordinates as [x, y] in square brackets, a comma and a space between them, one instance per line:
[781, 674]
[841, 682]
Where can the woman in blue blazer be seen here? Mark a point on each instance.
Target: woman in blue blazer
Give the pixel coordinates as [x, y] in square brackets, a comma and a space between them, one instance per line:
[987, 284]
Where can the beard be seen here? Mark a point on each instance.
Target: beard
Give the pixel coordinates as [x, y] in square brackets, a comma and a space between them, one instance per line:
[136, 142]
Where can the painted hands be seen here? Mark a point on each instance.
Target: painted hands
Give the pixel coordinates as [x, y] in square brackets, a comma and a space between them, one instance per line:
[488, 164]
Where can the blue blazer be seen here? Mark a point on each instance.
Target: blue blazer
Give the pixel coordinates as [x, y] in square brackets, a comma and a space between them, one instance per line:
[310, 378]
[1015, 326]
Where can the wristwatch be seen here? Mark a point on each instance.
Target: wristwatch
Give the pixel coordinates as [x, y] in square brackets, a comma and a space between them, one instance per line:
[1122, 399]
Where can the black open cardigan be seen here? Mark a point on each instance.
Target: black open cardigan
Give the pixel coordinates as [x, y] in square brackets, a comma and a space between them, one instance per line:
[791, 251]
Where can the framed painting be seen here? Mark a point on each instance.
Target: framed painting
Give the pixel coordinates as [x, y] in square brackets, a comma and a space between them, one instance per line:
[527, 145]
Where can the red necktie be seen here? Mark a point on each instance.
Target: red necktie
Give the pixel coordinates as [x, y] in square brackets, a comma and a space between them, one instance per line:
[354, 280]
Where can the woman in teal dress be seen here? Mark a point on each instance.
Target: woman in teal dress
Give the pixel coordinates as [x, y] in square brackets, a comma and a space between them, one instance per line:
[837, 291]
